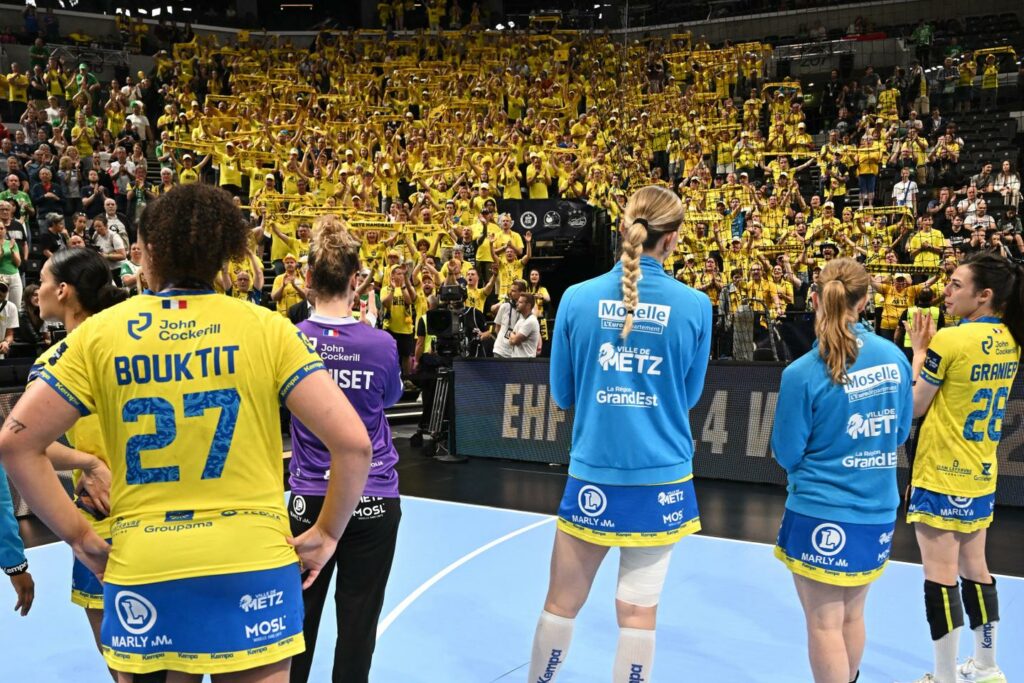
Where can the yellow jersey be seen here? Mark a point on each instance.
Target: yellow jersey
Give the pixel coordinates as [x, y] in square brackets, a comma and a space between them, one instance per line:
[187, 403]
[974, 365]
[894, 302]
[289, 294]
[83, 436]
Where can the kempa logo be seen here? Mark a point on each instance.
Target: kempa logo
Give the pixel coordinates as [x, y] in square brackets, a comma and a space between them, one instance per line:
[592, 501]
[874, 380]
[528, 220]
[874, 424]
[136, 614]
[626, 359]
[828, 539]
[651, 318]
[960, 501]
[549, 671]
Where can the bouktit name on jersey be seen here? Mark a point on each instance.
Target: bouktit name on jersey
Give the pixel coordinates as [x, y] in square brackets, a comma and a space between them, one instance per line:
[144, 368]
[650, 318]
[873, 381]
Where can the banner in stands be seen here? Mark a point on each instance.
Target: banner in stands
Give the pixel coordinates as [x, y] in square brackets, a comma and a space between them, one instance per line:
[503, 409]
[551, 219]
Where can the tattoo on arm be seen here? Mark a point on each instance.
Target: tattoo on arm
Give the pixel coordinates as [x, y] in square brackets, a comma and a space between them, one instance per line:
[15, 425]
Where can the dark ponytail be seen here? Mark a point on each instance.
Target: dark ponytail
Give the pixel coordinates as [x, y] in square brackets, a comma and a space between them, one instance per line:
[89, 274]
[1006, 280]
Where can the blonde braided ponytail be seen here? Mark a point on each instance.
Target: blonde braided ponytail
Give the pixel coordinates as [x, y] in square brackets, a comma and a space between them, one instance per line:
[650, 213]
[632, 247]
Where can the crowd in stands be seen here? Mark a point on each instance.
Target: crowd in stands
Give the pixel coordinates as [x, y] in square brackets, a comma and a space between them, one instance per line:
[416, 141]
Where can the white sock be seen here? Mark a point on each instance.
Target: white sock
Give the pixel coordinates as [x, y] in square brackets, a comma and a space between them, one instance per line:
[985, 645]
[634, 657]
[945, 656]
[550, 647]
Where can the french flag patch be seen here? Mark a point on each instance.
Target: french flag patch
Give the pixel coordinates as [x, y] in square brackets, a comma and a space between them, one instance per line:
[328, 332]
[174, 304]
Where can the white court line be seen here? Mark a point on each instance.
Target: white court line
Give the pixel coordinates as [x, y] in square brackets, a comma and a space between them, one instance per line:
[423, 588]
[698, 535]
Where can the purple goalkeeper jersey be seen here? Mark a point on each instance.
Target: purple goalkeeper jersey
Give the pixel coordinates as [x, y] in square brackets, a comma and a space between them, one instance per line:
[364, 363]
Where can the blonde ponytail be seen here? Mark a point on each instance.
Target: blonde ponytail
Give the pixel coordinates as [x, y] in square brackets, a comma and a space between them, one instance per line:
[843, 284]
[650, 213]
[632, 247]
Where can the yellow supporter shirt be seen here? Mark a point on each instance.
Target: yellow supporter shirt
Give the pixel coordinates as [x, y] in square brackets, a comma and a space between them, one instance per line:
[399, 320]
[974, 365]
[188, 176]
[289, 295]
[18, 87]
[508, 272]
[168, 399]
[230, 170]
[932, 238]
[895, 302]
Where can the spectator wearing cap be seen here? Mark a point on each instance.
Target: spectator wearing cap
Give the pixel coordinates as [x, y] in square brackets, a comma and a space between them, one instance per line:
[188, 170]
[56, 236]
[9, 321]
[229, 169]
[288, 288]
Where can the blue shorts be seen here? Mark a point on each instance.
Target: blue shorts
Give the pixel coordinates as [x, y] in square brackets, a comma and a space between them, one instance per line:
[952, 513]
[86, 589]
[866, 183]
[836, 553]
[629, 516]
[205, 624]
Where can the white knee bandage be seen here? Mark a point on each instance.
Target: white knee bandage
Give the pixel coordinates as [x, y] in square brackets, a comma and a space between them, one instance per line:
[642, 574]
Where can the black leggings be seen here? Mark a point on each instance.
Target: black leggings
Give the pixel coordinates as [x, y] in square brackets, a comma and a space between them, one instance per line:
[363, 559]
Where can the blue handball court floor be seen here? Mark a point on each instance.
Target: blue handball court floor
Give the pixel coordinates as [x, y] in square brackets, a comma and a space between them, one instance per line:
[468, 584]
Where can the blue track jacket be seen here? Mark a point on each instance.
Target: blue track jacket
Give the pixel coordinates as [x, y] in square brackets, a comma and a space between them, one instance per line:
[12, 550]
[838, 442]
[632, 396]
